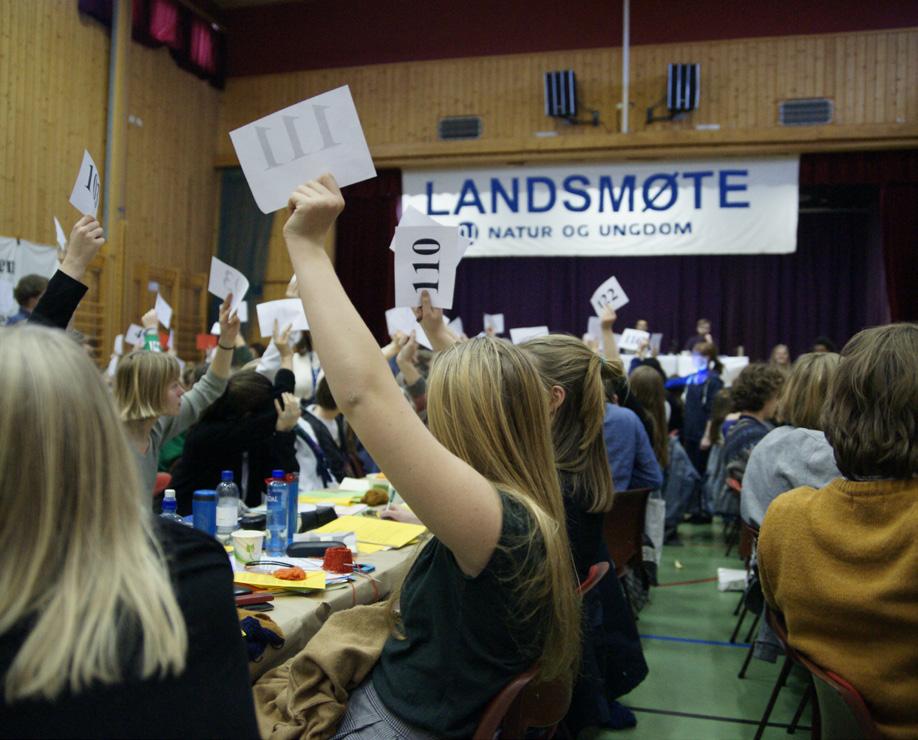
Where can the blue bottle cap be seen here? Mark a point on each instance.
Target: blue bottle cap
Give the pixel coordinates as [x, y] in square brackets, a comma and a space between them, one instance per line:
[278, 474]
[226, 475]
[204, 495]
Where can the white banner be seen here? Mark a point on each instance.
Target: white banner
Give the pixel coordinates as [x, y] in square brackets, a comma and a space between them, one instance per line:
[723, 206]
[19, 258]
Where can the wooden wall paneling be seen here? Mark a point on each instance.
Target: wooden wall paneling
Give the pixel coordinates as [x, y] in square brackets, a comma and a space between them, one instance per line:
[742, 82]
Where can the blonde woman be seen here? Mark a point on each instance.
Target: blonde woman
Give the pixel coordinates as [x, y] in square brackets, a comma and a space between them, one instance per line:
[798, 453]
[101, 634]
[153, 403]
[494, 591]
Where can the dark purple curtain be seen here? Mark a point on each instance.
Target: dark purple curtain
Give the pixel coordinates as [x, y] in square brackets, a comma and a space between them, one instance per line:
[832, 285]
[362, 257]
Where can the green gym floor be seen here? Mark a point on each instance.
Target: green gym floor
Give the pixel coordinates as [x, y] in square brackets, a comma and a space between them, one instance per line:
[692, 691]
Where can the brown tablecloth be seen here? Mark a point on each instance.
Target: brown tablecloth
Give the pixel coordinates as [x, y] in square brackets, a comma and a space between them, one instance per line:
[300, 617]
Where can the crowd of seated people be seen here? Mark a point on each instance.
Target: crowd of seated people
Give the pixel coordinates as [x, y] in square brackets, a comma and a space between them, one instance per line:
[119, 620]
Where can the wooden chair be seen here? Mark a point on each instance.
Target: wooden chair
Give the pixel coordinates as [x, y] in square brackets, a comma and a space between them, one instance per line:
[623, 529]
[522, 705]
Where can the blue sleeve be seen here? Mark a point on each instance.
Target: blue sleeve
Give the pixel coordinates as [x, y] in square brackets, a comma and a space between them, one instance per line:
[646, 472]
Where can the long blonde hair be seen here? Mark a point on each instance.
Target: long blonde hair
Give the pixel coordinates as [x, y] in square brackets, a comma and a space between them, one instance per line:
[804, 392]
[577, 423]
[488, 406]
[141, 381]
[79, 555]
[647, 386]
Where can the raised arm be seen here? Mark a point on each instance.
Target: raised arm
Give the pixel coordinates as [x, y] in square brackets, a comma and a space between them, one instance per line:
[610, 346]
[65, 289]
[457, 503]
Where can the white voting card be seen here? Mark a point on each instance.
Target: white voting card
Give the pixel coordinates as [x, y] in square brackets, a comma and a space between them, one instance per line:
[655, 341]
[287, 312]
[243, 312]
[215, 329]
[632, 338]
[426, 258]
[60, 235]
[525, 333]
[88, 187]
[494, 321]
[610, 293]
[119, 345]
[455, 326]
[290, 146]
[134, 335]
[225, 280]
[163, 311]
[402, 319]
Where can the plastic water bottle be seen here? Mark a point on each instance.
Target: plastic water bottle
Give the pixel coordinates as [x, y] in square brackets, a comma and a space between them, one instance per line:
[277, 515]
[227, 506]
[293, 509]
[169, 508]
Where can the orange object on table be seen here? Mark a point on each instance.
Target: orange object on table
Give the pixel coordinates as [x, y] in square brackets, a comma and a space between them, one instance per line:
[290, 574]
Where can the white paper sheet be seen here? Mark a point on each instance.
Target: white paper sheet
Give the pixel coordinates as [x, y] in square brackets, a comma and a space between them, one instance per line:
[426, 258]
[60, 235]
[290, 146]
[609, 293]
[402, 319]
[225, 280]
[455, 326]
[285, 311]
[112, 366]
[494, 321]
[134, 335]
[632, 338]
[243, 312]
[215, 329]
[655, 341]
[119, 345]
[163, 311]
[172, 340]
[88, 187]
[525, 333]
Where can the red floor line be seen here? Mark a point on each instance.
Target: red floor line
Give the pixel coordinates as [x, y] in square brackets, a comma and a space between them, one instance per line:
[689, 583]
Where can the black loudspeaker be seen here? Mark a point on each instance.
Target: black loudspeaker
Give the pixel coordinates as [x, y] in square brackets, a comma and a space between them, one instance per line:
[561, 94]
[683, 82]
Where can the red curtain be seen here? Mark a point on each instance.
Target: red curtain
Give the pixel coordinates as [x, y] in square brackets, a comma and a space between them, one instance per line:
[194, 43]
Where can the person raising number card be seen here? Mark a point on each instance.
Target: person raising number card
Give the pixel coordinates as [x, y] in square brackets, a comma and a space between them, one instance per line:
[498, 569]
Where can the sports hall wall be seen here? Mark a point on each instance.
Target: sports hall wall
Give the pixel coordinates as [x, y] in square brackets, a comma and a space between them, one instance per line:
[54, 69]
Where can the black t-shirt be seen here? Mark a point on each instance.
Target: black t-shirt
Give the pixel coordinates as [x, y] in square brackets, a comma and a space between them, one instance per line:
[212, 697]
[466, 638]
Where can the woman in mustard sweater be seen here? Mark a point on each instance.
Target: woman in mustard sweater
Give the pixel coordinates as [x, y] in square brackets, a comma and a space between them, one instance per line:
[840, 562]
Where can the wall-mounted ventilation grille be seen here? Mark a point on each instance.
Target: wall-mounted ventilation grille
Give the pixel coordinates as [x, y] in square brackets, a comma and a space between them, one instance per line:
[805, 112]
[459, 127]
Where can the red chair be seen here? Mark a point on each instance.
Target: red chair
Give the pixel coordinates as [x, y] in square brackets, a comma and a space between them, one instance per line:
[840, 710]
[162, 483]
[597, 573]
[623, 529]
[522, 705]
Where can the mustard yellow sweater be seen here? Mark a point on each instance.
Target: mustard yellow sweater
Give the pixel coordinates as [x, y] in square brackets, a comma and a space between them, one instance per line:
[841, 564]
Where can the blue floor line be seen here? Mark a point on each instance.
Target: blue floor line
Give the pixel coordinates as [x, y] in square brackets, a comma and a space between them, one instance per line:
[743, 645]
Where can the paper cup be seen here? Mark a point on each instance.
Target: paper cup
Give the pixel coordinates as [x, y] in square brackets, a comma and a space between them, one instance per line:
[247, 545]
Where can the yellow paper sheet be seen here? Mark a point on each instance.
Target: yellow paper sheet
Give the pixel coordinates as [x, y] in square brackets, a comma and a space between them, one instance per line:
[375, 531]
[315, 580]
[330, 498]
[367, 548]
